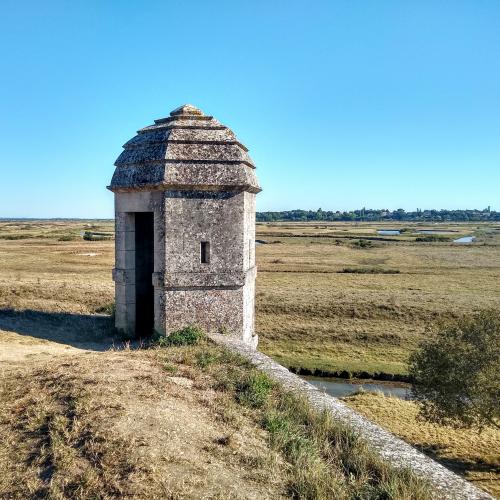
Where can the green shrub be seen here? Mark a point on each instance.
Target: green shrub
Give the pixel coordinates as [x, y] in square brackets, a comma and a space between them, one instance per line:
[189, 335]
[362, 244]
[67, 237]
[457, 372]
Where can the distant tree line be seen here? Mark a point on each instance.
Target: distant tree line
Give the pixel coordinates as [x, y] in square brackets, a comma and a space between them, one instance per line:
[368, 214]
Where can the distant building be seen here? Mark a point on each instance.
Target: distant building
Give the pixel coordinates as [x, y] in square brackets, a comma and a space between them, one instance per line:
[185, 228]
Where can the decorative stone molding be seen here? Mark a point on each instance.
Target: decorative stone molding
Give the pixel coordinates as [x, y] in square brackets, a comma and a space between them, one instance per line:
[182, 280]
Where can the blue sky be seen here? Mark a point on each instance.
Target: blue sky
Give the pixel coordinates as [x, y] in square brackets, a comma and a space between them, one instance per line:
[343, 104]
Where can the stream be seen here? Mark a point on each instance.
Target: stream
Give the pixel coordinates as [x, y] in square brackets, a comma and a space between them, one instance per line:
[339, 388]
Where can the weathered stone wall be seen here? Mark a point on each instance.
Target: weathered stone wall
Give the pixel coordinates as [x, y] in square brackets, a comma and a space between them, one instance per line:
[215, 310]
[219, 295]
[196, 216]
[248, 329]
[208, 294]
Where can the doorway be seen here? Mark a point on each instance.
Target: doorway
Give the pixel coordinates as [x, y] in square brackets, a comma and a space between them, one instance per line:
[144, 268]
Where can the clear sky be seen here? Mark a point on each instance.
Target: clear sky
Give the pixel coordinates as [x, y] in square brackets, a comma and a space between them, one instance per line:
[343, 104]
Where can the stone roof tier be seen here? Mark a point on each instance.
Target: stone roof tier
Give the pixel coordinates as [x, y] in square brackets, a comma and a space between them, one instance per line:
[186, 151]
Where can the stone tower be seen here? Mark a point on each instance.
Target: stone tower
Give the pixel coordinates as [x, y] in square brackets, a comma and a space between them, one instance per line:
[185, 228]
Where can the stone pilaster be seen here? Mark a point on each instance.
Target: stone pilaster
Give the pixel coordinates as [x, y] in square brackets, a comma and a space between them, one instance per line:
[124, 272]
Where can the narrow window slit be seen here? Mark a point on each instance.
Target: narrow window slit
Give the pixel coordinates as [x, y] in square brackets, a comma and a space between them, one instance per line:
[205, 252]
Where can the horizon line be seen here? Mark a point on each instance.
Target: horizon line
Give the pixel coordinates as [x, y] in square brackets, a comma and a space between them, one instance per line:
[264, 211]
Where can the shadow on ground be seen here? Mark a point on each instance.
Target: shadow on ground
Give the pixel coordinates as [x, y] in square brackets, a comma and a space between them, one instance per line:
[458, 465]
[84, 331]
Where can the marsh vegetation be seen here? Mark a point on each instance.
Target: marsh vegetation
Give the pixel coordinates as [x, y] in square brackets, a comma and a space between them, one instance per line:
[324, 304]
[56, 291]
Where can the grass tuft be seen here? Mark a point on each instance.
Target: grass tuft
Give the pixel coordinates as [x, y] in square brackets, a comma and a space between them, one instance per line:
[205, 358]
[170, 368]
[190, 335]
[253, 389]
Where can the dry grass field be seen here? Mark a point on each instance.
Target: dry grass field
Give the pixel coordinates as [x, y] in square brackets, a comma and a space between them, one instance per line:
[324, 301]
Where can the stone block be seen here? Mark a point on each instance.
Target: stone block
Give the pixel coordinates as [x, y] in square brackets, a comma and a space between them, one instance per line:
[125, 259]
[139, 201]
[125, 240]
[124, 221]
[125, 293]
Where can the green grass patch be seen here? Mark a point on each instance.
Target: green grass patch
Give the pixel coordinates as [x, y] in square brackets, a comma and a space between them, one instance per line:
[254, 389]
[337, 357]
[329, 459]
[432, 238]
[170, 368]
[189, 335]
[206, 358]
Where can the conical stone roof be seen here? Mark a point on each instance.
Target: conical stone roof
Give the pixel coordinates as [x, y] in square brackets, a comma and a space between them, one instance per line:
[187, 150]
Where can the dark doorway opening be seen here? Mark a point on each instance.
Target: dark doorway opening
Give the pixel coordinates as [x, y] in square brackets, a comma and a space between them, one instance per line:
[144, 259]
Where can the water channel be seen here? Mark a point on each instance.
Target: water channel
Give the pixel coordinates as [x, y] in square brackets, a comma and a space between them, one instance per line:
[340, 387]
[388, 232]
[396, 232]
[465, 239]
